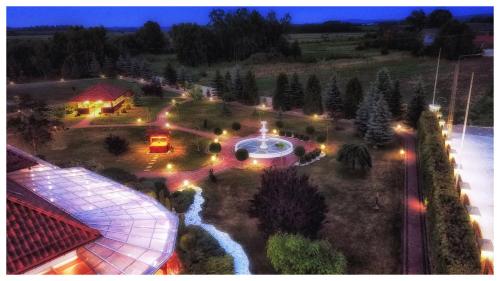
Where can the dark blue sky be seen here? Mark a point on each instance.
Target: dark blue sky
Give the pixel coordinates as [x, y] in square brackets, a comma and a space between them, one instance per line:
[166, 16]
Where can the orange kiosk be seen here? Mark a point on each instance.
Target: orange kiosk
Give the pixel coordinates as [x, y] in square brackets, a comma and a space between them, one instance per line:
[159, 142]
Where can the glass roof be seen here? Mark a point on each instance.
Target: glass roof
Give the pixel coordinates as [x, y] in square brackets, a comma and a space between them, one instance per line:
[138, 232]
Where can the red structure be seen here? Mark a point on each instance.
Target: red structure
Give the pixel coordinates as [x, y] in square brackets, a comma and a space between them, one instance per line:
[159, 141]
[101, 98]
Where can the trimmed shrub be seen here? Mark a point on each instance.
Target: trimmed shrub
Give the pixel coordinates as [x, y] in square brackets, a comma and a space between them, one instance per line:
[294, 254]
[299, 151]
[280, 124]
[453, 245]
[288, 134]
[355, 156]
[116, 145]
[241, 154]
[214, 147]
[321, 139]
[218, 131]
[181, 200]
[236, 126]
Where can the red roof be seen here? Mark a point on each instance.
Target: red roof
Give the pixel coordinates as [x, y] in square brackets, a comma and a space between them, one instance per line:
[38, 232]
[484, 41]
[101, 91]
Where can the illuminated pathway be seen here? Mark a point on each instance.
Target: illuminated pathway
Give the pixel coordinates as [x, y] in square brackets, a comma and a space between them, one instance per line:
[414, 254]
[192, 217]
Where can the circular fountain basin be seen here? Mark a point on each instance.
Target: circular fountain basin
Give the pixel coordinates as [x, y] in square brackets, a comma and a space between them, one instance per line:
[276, 147]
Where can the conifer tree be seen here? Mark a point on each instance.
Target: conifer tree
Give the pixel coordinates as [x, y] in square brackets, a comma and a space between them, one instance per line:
[250, 90]
[383, 83]
[228, 87]
[108, 67]
[352, 98]
[218, 84]
[313, 103]
[394, 101]
[280, 97]
[334, 104]
[365, 109]
[238, 87]
[170, 74]
[379, 130]
[94, 68]
[296, 92]
[417, 105]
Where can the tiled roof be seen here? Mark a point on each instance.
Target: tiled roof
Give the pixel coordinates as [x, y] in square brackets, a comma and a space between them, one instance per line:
[101, 91]
[38, 232]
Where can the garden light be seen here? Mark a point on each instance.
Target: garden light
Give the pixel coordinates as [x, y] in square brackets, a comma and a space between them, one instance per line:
[442, 123]
[173, 101]
[120, 77]
[12, 83]
[402, 152]
[275, 131]
[167, 113]
[185, 182]
[315, 116]
[263, 106]
[139, 120]
[210, 98]
[216, 140]
[322, 146]
[142, 80]
[169, 166]
[183, 95]
[62, 80]
[213, 158]
[399, 127]
[255, 162]
[167, 125]
[103, 76]
[439, 115]
[224, 132]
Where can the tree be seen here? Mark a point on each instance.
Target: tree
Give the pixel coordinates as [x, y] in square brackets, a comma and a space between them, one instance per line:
[295, 50]
[334, 104]
[310, 130]
[352, 98]
[299, 151]
[294, 254]
[218, 84]
[455, 39]
[195, 92]
[321, 138]
[379, 130]
[281, 100]
[228, 87]
[383, 84]
[238, 87]
[108, 67]
[218, 131]
[170, 74]
[116, 145]
[95, 67]
[241, 154]
[33, 122]
[354, 156]
[417, 105]
[394, 101]
[150, 37]
[215, 147]
[161, 192]
[152, 89]
[363, 112]
[313, 103]
[287, 202]
[439, 17]
[296, 92]
[416, 20]
[250, 90]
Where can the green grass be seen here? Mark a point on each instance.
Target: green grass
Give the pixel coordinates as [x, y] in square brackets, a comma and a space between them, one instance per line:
[85, 147]
[369, 238]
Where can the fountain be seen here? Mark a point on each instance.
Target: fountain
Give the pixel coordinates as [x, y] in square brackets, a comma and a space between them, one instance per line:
[264, 146]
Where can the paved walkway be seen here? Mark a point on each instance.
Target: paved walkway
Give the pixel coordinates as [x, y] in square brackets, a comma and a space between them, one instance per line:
[414, 254]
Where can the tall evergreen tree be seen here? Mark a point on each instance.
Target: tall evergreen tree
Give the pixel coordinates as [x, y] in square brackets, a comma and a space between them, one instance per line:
[379, 130]
[417, 105]
[238, 87]
[313, 103]
[250, 90]
[334, 104]
[281, 100]
[218, 84]
[365, 109]
[108, 67]
[352, 98]
[296, 92]
[228, 87]
[170, 74]
[94, 68]
[383, 83]
[394, 101]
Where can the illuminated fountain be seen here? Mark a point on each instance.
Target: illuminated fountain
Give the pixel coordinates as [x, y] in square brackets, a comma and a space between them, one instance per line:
[264, 146]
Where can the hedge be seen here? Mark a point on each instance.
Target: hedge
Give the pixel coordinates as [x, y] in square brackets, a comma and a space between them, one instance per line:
[453, 246]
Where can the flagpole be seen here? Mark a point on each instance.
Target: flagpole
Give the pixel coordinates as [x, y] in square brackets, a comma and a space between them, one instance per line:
[466, 113]
[436, 79]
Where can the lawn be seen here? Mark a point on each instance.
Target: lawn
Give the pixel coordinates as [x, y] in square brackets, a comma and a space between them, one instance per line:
[369, 237]
[85, 147]
[191, 114]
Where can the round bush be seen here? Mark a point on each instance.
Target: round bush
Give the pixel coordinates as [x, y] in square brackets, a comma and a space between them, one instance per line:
[306, 138]
[280, 124]
[236, 126]
[218, 131]
[310, 130]
[241, 154]
[299, 151]
[321, 139]
[214, 147]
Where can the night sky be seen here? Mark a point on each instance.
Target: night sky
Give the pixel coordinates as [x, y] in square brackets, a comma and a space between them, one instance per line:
[167, 16]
